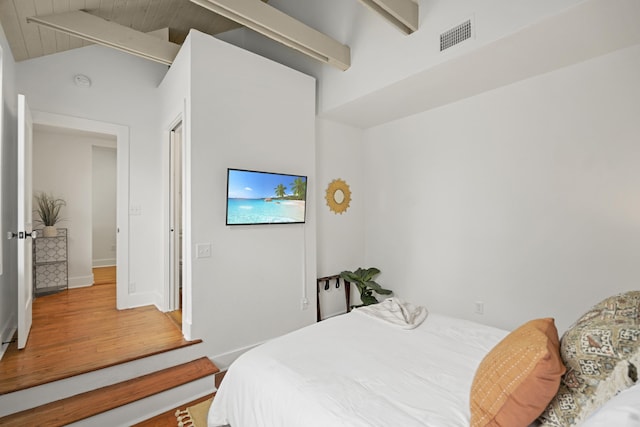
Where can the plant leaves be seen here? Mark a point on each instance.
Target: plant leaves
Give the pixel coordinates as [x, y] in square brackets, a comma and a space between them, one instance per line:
[363, 279]
[368, 299]
[350, 276]
[48, 208]
[373, 285]
[369, 273]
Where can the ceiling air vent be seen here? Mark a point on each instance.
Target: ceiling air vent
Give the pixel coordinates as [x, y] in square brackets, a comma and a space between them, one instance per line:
[455, 35]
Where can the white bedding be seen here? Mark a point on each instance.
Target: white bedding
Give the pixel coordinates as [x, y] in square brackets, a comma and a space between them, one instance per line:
[353, 370]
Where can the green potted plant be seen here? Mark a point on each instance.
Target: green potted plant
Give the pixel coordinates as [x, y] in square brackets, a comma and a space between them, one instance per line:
[48, 209]
[363, 279]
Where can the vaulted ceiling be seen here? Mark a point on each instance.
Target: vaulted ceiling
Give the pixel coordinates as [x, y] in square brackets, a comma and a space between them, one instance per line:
[29, 40]
[41, 27]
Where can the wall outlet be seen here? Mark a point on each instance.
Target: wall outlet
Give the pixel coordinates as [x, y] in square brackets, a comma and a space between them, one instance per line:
[304, 304]
[132, 287]
[479, 307]
[203, 250]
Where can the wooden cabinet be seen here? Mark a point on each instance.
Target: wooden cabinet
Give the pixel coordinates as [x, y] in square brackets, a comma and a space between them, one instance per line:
[50, 266]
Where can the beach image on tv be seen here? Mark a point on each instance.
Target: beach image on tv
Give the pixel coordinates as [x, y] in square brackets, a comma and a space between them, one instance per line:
[265, 198]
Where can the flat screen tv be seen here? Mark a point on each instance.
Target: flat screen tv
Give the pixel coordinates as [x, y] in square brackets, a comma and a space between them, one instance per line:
[255, 197]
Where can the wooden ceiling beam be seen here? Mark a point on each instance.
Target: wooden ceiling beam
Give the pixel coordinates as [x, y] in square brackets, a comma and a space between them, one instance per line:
[282, 28]
[401, 13]
[100, 31]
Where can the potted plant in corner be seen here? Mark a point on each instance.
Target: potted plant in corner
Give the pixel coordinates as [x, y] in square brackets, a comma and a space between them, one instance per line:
[363, 279]
[48, 209]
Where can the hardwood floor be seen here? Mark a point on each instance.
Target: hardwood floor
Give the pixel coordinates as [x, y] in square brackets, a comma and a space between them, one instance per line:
[104, 275]
[80, 330]
[176, 316]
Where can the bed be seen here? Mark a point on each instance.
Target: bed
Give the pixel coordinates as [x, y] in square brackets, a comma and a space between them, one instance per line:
[354, 370]
[358, 370]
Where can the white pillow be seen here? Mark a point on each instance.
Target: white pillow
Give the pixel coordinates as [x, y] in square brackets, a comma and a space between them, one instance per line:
[622, 410]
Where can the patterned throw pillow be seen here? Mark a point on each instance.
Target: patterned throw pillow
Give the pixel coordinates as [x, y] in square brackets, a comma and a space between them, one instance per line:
[518, 378]
[602, 353]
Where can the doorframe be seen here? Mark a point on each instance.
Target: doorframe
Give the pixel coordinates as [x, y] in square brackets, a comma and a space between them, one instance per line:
[170, 292]
[123, 300]
[179, 118]
[2, 215]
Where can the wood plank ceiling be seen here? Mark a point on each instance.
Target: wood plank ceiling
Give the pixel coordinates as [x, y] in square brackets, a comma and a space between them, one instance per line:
[41, 27]
[29, 40]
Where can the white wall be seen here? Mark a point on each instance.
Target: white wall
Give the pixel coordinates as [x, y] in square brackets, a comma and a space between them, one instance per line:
[8, 159]
[62, 168]
[377, 45]
[341, 237]
[380, 54]
[124, 92]
[103, 206]
[525, 197]
[246, 112]
[175, 97]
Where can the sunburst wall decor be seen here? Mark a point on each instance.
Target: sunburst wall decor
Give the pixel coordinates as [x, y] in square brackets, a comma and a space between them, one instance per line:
[338, 196]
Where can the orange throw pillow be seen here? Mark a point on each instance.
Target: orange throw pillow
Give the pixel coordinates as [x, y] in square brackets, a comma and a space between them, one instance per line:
[518, 378]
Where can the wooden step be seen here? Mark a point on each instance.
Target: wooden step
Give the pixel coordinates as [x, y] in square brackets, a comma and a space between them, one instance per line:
[81, 330]
[85, 405]
[168, 418]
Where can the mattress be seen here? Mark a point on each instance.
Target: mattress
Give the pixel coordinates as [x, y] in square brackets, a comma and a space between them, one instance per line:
[354, 370]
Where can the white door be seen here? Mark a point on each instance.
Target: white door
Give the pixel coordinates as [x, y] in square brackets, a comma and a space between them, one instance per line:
[175, 217]
[25, 227]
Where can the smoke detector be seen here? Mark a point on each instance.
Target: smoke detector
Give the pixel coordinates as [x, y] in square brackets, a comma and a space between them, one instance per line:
[81, 80]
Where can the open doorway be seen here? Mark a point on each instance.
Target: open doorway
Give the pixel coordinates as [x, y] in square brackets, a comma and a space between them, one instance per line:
[176, 228]
[80, 168]
[114, 137]
[103, 213]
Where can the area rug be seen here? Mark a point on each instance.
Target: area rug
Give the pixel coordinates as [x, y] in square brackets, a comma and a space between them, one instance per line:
[194, 416]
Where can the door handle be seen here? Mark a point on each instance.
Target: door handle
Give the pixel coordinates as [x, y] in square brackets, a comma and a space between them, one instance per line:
[21, 235]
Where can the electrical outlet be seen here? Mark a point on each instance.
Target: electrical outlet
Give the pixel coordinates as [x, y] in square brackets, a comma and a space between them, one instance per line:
[132, 287]
[304, 304]
[479, 307]
[203, 250]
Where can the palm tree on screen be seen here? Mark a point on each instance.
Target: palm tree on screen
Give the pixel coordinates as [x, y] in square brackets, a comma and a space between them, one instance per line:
[299, 188]
[280, 190]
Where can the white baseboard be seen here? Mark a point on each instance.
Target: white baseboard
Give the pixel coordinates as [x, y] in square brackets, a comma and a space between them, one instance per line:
[224, 360]
[186, 329]
[107, 262]
[140, 299]
[80, 281]
[8, 330]
[158, 302]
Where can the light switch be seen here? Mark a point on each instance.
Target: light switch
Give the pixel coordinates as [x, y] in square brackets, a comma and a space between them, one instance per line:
[203, 250]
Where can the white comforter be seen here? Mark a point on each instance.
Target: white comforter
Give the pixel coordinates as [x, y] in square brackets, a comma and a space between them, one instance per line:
[355, 371]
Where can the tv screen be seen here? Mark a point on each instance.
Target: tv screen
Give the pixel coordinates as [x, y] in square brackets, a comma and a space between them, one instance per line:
[265, 198]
